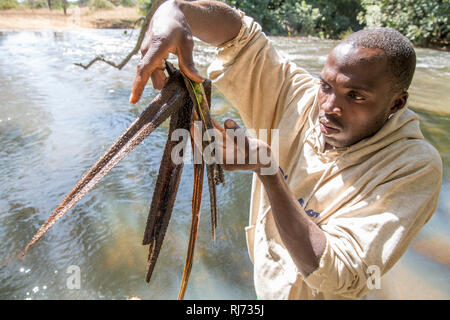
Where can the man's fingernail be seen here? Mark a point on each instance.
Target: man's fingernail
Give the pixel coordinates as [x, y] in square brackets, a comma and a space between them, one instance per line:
[131, 100]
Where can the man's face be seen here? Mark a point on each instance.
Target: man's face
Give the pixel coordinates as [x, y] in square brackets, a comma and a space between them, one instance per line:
[355, 95]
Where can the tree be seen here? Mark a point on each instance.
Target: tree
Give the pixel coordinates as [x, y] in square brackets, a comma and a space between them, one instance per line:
[424, 22]
[323, 18]
[64, 5]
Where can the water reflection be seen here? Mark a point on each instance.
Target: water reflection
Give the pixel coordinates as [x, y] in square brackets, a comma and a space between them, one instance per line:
[56, 119]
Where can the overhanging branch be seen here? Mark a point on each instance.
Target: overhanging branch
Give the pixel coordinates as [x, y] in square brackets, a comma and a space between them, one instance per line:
[136, 48]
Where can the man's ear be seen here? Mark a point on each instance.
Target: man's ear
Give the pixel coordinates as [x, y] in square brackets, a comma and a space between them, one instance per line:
[399, 102]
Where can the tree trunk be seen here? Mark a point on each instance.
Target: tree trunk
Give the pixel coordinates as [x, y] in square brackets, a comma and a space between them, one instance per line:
[64, 5]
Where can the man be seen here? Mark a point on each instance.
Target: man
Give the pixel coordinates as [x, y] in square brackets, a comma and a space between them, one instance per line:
[357, 180]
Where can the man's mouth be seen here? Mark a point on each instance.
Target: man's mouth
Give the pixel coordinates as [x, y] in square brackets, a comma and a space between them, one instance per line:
[327, 127]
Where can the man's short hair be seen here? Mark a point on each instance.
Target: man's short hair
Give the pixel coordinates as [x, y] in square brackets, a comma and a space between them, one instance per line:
[401, 57]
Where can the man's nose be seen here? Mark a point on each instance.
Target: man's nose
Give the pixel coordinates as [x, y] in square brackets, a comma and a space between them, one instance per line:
[331, 104]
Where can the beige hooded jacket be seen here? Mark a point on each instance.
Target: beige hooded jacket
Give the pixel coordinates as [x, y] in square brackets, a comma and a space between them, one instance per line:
[370, 199]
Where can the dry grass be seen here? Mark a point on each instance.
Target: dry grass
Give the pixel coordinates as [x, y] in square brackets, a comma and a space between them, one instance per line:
[28, 19]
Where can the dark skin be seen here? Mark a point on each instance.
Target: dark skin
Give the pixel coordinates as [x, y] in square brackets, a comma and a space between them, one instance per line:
[355, 95]
[355, 101]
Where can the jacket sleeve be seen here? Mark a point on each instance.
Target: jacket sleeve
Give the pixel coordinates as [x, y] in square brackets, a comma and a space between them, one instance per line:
[256, 79]
[376, 231]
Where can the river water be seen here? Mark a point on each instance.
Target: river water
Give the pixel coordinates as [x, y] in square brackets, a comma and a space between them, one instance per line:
[57, 119]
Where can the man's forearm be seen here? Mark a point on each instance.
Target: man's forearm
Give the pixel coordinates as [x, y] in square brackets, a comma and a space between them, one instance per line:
[211, 21]
[304, 240]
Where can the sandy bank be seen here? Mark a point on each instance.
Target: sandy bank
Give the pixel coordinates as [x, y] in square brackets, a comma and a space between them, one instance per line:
[28, 19]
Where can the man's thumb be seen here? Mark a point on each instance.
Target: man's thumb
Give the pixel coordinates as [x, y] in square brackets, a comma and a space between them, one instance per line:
[230, 124]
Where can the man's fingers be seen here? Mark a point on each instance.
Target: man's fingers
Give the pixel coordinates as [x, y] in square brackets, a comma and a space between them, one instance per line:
[217, 126]
[146, 67]
[138, 87]
[186, 62]
[159, 79]
[232, 125]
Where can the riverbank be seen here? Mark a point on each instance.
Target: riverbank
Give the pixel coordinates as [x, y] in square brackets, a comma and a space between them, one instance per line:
[33, 19]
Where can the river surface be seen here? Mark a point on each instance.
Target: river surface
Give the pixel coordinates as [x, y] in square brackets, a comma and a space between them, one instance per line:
[57, 119]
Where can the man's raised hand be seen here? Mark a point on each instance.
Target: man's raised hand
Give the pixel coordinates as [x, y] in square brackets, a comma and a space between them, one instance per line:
[168, 32]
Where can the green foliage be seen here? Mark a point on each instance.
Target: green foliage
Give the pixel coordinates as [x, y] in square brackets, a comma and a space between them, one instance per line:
[100, 4]
[8, 4]
[128, 3]
[424, 22]
[59, 4]
[338, 16]
[323, 18]
[36, 4]
[124, 3]
[144, 6]
[299, 18]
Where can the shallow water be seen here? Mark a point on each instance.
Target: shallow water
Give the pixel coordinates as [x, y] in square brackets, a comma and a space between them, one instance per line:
[56, 119]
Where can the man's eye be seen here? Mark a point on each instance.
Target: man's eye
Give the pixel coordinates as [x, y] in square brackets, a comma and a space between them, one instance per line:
[356, 96]
[324, 86]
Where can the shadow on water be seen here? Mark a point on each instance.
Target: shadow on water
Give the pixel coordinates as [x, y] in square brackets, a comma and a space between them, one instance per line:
[56, 119]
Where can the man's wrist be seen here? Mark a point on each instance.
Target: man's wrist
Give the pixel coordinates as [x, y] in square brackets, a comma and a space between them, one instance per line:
[267, 164]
